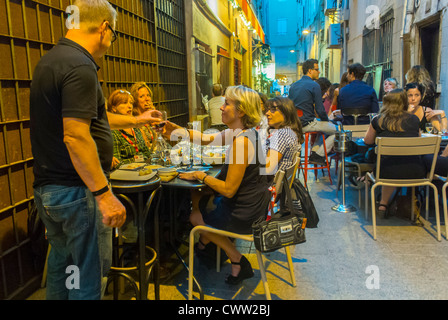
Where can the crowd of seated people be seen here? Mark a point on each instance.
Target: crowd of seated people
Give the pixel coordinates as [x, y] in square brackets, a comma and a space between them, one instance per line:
[129, 145]
[395, 121]
[239, 195]
[245, 177]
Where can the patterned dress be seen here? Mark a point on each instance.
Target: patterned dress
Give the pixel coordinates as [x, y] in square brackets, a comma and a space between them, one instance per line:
[127, 146]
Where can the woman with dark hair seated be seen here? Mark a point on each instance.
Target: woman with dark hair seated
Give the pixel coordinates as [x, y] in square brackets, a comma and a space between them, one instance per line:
[285, 134]
[394, 121]
[426, 115]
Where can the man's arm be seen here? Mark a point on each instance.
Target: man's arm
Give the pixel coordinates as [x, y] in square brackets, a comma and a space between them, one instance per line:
[118, 121]
[84, 156]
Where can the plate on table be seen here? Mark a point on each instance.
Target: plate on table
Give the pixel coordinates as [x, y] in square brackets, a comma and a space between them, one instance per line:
[214, 160]
[194, 168]
[135, 166]
[144, 174]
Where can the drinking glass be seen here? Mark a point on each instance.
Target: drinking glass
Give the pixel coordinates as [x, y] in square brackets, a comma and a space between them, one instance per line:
[164, 117]
[429, 127]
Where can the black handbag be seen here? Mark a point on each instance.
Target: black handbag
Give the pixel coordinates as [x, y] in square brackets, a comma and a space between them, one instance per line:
[302, 199]
[285, 228]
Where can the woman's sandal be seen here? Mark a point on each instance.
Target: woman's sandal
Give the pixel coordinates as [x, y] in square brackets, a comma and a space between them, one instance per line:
[357, 182]
[246, 272]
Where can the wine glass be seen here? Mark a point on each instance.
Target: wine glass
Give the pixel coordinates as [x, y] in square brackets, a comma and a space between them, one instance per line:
[164, 118]
[429, 127]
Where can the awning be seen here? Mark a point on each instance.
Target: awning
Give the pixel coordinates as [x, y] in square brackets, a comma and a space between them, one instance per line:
[252, 18]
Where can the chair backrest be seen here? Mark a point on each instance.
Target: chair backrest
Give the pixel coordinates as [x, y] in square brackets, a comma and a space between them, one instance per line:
[358, 131]
[354, 111]
[290, 174]
[389, 146]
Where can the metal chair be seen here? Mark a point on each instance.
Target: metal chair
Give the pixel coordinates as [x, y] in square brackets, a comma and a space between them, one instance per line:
[278, 181]
[404, 147]
[355, 113]
[305, 165]
[358, 131]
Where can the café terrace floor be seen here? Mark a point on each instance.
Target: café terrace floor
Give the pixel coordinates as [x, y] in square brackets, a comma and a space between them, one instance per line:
[336, 261]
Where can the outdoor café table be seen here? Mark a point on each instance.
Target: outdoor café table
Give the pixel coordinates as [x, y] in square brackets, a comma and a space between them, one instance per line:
[173, 186]
[141, 188]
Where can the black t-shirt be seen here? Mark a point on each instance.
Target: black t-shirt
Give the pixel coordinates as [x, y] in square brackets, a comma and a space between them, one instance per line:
[401, 167]
[65, 84]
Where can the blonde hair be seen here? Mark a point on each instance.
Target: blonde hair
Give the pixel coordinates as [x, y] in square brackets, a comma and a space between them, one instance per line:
[247, 101]
[118, 97]
[134, 92]
[395, 106]
[92, 13]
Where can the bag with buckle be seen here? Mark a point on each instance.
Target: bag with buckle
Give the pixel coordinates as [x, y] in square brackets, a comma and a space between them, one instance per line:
[284, 228]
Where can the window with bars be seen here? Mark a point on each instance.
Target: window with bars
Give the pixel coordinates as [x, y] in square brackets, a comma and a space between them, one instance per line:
[150, 47]
[377, 52]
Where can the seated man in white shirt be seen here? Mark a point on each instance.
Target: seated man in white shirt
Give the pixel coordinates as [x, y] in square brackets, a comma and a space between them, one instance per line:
[213, 107]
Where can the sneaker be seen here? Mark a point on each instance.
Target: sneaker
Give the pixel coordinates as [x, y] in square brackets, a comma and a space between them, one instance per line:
[316, 159]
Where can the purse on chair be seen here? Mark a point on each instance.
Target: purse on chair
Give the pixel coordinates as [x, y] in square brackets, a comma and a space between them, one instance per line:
[285, 228]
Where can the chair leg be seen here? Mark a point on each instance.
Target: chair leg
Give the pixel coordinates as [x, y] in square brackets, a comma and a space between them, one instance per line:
[372, 194]
[436, 205]
[218, 259]
[291, 266]
[445, 214]
[263, 276]
[326, 158]
[190, 265]
[413, 203]
[43, 283]
[305, 169]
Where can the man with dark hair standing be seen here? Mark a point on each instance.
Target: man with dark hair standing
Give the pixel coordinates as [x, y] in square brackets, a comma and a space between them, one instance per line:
[357, 94]
[307, 97]
[72, 147]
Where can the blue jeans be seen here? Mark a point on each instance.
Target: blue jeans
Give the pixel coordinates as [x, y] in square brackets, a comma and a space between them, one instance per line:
[78, 239]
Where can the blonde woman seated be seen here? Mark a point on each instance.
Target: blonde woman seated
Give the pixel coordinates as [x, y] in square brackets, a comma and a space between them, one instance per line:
[394, 121]
[425, 114]
[142, 95]
[285, 135]
[239, 195]
[129, 145]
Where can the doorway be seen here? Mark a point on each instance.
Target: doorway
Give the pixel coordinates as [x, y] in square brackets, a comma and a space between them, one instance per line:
[430, 46]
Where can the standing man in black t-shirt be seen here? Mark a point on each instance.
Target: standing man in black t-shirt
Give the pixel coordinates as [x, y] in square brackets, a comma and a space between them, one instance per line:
[72, 148]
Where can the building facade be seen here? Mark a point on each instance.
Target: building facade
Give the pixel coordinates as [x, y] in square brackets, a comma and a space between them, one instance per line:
[223, 36]
[386, 36]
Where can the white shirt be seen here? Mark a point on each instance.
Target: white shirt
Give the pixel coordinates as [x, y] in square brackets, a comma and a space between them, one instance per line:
[213, 109]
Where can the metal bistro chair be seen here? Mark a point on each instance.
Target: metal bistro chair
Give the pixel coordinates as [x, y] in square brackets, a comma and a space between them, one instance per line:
[358, 131]
[355, 113]
[278, 180]
[305, 165]
[403, 147]
[134, 274]
[445, 208]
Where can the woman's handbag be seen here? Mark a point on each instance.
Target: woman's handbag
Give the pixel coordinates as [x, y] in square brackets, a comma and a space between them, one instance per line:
[286, 227]
[304, 204]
